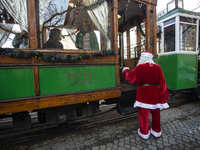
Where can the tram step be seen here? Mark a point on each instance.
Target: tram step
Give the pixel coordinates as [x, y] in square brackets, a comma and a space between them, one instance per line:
[125, 103]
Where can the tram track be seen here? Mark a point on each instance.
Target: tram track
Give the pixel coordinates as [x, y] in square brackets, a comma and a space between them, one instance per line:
[21, 137]
[133, 115]
[54, 130]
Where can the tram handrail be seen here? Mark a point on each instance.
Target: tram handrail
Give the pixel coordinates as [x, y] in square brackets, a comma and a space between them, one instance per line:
[133, 49]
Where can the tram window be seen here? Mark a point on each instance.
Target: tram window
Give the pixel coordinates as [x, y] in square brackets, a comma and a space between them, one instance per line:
[169, 22]
[13, 25]
[125, 45]
[66, 17]
[186, 19]
[187, 36]
[169, 42]
[133, 42]
[85, 25]
[159, 40]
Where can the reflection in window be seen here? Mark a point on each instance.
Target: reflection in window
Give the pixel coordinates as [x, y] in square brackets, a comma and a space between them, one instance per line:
[187, 37]
[69, 19]
[169, 34]
[125, 45]
[159, 41]
[186, 19]
[66, 40]
[133, 41]
[13, 25]
[85, 27]
[169, 22]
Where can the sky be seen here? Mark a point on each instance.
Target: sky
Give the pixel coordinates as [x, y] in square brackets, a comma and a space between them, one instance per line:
[187, 5]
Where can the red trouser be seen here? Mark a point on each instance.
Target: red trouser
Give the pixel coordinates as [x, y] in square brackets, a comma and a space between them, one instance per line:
[143, 116]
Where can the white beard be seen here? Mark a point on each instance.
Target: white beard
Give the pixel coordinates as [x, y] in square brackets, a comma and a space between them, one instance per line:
[144, 60]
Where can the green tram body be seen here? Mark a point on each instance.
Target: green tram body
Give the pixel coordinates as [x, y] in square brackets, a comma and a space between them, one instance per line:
[180, 67]
[19, 82]
[180, 70]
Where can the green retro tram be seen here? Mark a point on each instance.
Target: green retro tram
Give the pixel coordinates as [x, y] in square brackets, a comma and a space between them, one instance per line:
[178, 42]
[65, 83]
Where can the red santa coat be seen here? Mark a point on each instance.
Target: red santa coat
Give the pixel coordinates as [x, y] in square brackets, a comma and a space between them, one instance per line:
[150, 97]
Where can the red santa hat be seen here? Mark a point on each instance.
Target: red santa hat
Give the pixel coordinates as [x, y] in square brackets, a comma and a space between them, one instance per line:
[147, 54]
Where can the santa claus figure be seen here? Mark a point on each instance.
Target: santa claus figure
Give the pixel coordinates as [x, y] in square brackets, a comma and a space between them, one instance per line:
[152, 93]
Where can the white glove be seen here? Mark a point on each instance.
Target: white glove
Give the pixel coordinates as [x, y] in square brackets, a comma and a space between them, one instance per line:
[125, 69]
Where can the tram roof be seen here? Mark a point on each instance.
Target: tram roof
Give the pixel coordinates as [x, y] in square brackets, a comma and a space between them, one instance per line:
[129, 10]
[183, 11]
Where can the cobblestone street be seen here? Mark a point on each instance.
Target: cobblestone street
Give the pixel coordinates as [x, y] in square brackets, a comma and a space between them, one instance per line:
[180, 131]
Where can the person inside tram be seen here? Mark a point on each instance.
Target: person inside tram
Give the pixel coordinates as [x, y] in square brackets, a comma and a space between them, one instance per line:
[152, 93]
[54, 39]
[20, 40]
[86, 38]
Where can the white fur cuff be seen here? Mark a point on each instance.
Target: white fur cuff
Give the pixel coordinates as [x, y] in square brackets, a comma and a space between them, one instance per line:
[155, 133]
[125, 69]
[143, 135]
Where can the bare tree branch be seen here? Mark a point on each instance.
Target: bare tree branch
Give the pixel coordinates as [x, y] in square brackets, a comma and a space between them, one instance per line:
[57, 14]
[7, 30]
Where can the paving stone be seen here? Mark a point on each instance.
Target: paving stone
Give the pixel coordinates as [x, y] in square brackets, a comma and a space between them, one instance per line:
[152, 147]
[102, 146]
[144, 145]
[167, 148]
[127, 138]
[121, 148]
[160, 146]
[127, 142]
[192, 139]
[127, 146]
[139, 147]
[133, 144]
[108, 148]
[109, 144]
[121, 144]
[95, 148]
[134, 148]
[115, 146]
[166, 144]
[116, 141]
[172, 141]
[132, 140]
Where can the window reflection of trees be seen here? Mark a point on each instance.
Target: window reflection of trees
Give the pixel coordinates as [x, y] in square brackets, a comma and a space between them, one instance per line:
[57, 14]
[187, 37]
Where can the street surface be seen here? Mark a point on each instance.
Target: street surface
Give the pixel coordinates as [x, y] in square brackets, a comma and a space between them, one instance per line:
[180, 131]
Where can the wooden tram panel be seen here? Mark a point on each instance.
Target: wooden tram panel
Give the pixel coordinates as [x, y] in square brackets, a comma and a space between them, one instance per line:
[54, 100]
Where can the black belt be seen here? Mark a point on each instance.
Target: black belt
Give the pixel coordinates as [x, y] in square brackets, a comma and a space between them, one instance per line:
[148, 85]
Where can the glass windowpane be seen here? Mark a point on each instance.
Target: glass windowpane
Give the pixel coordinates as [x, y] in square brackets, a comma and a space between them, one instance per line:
[187, 37]
[169, 42]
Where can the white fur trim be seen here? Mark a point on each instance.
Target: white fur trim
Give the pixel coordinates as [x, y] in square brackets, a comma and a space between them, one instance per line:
[144, 136]
[147, 54]
[150, 106]
[125, 69]
[156, 134]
